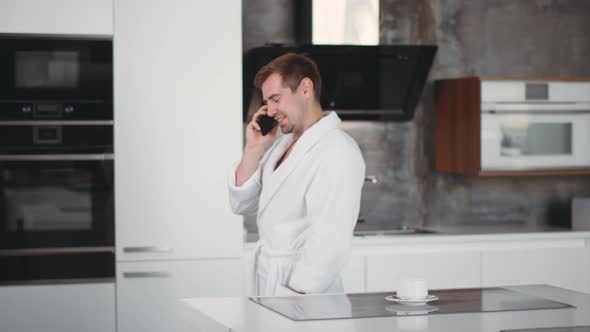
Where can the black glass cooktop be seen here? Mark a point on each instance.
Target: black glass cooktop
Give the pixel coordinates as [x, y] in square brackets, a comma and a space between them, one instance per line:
[365, 305]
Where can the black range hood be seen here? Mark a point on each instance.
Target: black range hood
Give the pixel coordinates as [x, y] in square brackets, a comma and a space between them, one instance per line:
[381, 82]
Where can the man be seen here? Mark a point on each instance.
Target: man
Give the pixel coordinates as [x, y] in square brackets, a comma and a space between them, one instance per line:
[305, 187]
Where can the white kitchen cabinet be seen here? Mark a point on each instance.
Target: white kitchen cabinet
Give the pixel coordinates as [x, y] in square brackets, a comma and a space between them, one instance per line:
[149, 294]
[442, 270]
[353, 276]
[57, 308]
[75, 17]
[178, 128]
[562, 267]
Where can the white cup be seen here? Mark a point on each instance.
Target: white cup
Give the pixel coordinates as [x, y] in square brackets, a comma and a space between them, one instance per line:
[412, 288]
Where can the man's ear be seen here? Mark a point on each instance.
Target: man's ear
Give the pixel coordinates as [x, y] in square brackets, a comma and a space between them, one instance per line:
[306, 87]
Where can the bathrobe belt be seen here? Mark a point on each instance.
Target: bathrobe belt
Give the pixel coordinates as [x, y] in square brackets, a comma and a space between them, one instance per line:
[275, 270]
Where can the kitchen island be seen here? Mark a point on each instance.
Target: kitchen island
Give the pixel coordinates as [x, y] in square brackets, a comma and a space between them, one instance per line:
[240, 314]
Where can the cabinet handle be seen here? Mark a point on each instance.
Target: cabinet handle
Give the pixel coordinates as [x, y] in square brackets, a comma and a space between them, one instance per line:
[147, 249]
[146, 275]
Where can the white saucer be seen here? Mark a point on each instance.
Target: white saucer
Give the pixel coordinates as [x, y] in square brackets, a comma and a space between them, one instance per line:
[403, 310]
[395, 298]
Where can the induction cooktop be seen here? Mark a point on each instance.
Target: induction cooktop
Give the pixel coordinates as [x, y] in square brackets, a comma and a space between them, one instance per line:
[365, 305]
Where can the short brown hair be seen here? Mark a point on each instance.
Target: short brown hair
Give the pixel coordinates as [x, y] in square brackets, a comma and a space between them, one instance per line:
[293, 68]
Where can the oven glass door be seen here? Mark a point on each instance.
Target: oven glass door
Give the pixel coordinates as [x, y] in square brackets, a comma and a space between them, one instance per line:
[53, 201]
[44, 68]
[520, 141]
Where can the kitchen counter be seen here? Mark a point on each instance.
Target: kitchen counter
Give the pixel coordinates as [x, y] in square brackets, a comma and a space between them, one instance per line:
[461, 234]
[242, 315]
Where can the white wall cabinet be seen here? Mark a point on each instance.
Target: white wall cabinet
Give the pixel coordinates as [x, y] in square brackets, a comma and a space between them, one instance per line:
[149, 294]
[74, 17]
[562, 267]
[57, 308]
[178, 128]
[442, 270]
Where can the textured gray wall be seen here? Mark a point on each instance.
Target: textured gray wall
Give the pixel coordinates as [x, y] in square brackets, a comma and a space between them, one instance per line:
[479, 37]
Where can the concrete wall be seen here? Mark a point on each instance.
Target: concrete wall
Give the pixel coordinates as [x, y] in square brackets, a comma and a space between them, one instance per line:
[486, 38]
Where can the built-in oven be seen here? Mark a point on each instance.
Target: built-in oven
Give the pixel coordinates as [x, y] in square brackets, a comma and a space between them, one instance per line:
[535, 125]
[56, 160]
[56, 202]
[56, 77]
[56, 217]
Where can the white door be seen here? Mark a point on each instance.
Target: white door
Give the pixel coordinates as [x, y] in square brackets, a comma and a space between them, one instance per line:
[57, 308]
[149, 294]
[178, 107]
[75, 17]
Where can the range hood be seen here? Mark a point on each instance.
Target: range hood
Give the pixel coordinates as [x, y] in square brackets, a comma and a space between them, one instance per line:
[381, 82]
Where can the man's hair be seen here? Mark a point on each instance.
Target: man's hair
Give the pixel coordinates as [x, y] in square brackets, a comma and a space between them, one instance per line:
[293, 68]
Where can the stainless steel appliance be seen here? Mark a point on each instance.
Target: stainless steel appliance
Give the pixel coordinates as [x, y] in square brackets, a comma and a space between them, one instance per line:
[56, 160]
[527, 125]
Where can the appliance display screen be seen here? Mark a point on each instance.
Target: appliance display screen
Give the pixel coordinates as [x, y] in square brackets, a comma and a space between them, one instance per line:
[47, 69]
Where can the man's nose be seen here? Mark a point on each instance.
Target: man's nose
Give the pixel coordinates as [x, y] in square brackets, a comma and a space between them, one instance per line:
[271, 110]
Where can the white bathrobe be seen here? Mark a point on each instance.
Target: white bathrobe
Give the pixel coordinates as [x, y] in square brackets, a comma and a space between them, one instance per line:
[306, 209]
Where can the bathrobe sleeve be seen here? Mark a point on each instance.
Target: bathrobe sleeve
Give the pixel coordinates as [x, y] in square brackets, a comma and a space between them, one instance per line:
[333, 203]
[244, 199]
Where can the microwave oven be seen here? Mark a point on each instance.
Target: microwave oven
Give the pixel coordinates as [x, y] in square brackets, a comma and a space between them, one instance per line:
[535, 125]
[48, 77]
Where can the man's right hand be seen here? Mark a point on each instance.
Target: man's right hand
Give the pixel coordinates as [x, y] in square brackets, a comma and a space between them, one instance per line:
[254, 138]
[256, 144]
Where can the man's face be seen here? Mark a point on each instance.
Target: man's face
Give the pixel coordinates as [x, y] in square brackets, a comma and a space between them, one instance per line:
[285, 106]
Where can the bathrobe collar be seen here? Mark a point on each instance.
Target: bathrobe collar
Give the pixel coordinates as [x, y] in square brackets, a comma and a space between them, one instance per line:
[272, 179]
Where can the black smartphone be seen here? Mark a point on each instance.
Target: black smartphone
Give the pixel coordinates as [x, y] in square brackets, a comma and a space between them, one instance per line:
[266, 123]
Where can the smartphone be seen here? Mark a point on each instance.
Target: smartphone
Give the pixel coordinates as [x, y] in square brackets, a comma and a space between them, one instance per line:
[266, 123]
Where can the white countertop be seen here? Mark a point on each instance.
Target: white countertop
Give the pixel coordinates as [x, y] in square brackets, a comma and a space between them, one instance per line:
[242, 315]
[462, 234]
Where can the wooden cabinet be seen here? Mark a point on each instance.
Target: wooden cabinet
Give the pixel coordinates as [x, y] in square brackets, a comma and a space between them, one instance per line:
[149, 294]
[178, 128]
[73, 17]
[501, 126]
[441, 270]
[57, 308]
[457, 126]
